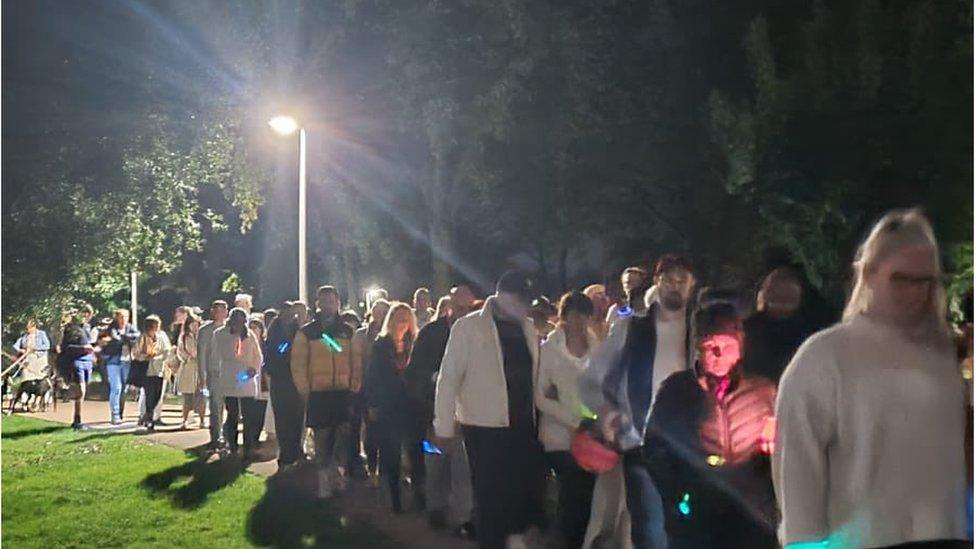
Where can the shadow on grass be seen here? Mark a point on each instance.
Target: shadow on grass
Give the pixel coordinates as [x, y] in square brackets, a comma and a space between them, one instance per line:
[290, 516]
[31, 432]
[205, 479]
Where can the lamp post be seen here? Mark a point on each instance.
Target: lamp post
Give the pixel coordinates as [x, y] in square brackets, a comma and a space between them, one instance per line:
[286, 125]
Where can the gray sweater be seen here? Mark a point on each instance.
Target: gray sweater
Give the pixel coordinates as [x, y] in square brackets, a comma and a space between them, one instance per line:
[870, 439]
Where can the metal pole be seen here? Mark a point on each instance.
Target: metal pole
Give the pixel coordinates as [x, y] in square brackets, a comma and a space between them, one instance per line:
[302, 258]
[135, 303]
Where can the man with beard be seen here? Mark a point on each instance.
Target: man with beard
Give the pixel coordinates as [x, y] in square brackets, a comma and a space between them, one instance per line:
[624, 375]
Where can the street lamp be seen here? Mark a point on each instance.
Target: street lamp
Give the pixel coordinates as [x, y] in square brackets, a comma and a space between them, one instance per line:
[286, 125]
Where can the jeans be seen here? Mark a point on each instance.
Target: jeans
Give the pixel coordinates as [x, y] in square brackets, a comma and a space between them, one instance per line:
[644, 503]
[118, 373]
[216, 409]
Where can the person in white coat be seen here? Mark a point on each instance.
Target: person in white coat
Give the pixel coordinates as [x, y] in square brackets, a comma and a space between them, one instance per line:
[235, 356]
[486, 383]
[871, 412]
[562, 360]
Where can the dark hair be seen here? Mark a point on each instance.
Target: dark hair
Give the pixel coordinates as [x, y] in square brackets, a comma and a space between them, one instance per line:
[716, 316]
[669, 262]
[635, 270]
[349, 316]
[575, 302]
[327, 289]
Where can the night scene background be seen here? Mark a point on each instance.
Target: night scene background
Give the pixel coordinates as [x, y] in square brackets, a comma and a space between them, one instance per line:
[448, 141]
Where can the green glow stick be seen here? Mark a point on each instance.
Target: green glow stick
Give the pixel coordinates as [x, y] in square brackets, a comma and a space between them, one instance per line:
[332, 343]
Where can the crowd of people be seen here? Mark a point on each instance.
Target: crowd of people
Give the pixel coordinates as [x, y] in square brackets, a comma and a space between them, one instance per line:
[677, 416]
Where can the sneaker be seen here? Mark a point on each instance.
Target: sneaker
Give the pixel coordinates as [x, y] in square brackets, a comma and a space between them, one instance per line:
[516, 541]
[374, 481]
[467, 531]
[79, 426]
[116, 420]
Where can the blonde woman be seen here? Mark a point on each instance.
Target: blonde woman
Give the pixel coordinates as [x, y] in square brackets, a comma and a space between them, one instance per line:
[188, 381]
[871, 411]
[388, 404]
[153, 347]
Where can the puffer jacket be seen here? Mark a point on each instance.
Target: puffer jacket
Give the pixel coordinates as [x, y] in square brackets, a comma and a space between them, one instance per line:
[317, 367]
[733, 426]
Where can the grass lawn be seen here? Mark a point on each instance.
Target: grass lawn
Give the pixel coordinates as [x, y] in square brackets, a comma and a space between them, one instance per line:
[62, 488]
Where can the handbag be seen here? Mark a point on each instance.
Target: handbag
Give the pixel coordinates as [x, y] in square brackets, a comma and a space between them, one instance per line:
[592, 454]
[137, 373]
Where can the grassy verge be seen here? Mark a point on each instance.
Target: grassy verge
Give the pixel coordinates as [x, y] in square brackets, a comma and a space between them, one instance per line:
[63, 488]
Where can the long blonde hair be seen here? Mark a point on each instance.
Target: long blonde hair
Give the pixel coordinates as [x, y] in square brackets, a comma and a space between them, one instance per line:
[396, 307]
[897, 230]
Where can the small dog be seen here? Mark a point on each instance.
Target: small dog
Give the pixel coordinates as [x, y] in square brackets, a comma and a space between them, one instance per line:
[39, 393]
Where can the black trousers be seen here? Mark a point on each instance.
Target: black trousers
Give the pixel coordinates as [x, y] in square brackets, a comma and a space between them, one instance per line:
[153, 386]
[238, 409]
[396, 436]
[289, 417]
[508, 478]
[259, 409]
[354, 459]
[575, 498]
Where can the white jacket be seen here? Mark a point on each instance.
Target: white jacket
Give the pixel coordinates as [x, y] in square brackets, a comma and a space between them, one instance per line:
[471, 386]
[557, 390]
[229, 357]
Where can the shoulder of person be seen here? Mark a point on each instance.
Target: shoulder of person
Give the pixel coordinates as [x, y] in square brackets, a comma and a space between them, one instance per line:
[815, 359]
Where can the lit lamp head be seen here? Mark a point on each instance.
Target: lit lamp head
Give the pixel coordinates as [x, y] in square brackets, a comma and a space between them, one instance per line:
[283, 125]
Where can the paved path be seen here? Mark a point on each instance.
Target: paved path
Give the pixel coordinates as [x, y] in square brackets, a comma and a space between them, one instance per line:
[361, 503]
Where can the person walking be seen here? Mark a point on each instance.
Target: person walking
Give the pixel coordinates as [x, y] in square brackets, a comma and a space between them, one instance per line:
[327, 375]
[562, 360]
[622, 380]
[870, 412]
[117, 355]
[188, 383]
[289, 406]
[210, 374]
[486, 384]
[235, 357]
[153, 348]
[389, 407]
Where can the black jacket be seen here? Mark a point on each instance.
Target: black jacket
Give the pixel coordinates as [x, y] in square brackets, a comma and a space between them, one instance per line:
[277, 348]
[420, 376]
[384, 385]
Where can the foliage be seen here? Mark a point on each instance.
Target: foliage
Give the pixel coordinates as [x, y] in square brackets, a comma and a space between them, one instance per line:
[142, 217]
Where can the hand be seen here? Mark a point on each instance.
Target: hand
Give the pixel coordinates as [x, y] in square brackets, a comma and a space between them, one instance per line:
[767, 438]
[608, 424]
[251, 372]
[373, 414]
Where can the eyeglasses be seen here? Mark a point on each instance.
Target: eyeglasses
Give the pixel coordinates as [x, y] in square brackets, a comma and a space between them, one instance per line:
[903, 280]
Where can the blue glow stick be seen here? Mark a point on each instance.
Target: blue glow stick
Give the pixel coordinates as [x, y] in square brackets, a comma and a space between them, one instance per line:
[429, 448]
[283, 348]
